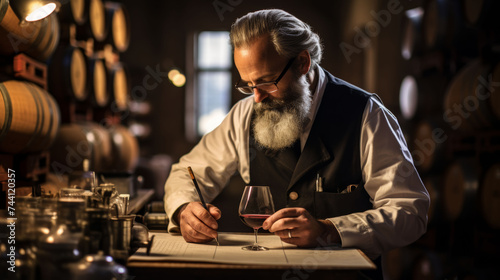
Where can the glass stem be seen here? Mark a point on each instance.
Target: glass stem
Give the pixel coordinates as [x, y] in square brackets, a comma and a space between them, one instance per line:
[255, 245]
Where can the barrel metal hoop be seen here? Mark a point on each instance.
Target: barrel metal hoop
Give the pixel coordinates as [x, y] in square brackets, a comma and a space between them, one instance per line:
[41, 34]
[54, 37]
[8, 114]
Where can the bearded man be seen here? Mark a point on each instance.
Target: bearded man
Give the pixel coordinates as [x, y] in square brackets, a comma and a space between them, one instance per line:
[302, 126]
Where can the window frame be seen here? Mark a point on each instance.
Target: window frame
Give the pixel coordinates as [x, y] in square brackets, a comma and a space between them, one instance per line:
[192, 72]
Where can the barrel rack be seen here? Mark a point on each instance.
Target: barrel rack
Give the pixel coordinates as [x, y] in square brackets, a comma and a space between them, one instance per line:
[38, 59]
[30, 168]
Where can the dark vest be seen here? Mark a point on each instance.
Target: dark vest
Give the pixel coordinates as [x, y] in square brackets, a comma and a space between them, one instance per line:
[332, 151]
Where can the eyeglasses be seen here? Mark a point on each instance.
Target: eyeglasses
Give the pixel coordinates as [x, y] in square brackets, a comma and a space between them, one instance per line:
[267, 87]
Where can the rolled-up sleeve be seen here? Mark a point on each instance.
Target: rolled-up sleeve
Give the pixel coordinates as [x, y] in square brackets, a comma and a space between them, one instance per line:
[400, 200]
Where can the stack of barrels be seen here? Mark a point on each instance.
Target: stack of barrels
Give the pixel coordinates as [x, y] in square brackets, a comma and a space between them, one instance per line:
[77, 113]
[450, 103]
[91, 83]
[29, 114]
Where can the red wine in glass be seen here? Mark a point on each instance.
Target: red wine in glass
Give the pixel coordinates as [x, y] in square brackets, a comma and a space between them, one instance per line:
[256, 206]
[254, 221]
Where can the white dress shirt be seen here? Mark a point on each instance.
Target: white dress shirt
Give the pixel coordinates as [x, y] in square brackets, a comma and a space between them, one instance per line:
[400, 200]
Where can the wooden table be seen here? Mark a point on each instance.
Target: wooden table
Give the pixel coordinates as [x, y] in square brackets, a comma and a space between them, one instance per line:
[176, 269]
[208, 271]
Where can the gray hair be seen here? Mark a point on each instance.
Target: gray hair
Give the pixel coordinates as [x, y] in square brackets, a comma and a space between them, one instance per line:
[289, 34]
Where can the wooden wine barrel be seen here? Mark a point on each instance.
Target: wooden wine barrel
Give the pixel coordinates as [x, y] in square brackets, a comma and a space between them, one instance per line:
[118, 24]
[118, 87]
[29, 118]
[486, 88]
[473, 10]
[417, 96]
[95, 26]
[412, 42]
[400, 263]
[494, 89]
[439, 24]
[434, 13]
[469, 103]
[489, 200]
[461, 183]
[480, 13]
[125, 149]
[433, 185]
[73, 11]
[392, 264]
[97, 82]
[45, 47]
[428, 145]
[78, 141]
[426, 265]
[38, 39]
[68, 74]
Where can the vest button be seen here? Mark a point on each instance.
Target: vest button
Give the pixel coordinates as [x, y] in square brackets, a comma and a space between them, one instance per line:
[293, 195]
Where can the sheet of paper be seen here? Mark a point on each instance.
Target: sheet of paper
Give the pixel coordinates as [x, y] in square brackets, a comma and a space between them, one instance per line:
[168, 247]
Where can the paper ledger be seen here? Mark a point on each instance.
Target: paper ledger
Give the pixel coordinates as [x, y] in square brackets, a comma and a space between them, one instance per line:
[168, 247]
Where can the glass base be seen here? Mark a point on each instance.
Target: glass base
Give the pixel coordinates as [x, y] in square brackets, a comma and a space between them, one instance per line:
[254, 248]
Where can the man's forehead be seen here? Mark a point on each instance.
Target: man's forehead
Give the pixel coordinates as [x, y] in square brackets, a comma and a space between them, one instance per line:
[258, 59]
[259, 48]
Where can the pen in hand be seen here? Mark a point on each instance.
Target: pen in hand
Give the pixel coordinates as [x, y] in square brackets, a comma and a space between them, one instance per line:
[199, 194]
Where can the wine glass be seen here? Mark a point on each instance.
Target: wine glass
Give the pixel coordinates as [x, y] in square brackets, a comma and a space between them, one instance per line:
[256, 206]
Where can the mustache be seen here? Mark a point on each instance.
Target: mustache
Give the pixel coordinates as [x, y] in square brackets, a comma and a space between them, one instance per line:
[272, 104]
[293, 98]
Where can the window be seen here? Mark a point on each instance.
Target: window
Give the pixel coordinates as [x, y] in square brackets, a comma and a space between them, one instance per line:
[211, 88]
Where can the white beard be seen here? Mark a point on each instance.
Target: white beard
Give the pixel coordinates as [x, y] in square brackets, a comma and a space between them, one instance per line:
[278, 123]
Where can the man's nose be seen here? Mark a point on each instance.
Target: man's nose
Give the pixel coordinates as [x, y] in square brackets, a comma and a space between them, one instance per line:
[258, 95]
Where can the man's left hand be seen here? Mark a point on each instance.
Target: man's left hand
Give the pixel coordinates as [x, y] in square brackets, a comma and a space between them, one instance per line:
[304, 229]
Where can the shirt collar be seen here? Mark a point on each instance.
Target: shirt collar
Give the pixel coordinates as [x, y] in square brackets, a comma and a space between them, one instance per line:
[317, 95]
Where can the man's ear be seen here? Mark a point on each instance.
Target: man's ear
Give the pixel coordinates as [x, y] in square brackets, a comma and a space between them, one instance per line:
[304, 61]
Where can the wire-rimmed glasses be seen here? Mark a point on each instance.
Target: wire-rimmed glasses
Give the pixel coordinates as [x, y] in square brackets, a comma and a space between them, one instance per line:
[268, 87]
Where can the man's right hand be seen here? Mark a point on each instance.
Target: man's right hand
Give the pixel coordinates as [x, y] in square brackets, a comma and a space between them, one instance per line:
[197, 224]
